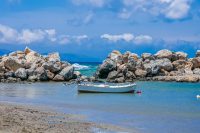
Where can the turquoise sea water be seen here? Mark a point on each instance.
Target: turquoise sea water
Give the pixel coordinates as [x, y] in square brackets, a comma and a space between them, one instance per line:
[163, 107]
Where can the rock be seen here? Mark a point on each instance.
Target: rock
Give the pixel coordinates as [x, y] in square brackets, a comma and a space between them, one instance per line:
[67, 72]
[198, 53]
[53, 67]
[196, 62]
[125, 56]
[30, 71]
[188, 68]
[107, 66]
[115, 56]
[54, 57]
[41, 74]
[2, 68]
[50, 75]
[130, 76]
[27, 50]
[32, 57]
[140, 73]
[187, 78]
[122, 68]
[133, 56]
[112, 75]
[181, 56]
[196, 71]
[77, 74]
[147, 56]
[21, 73]
[11, 80]
[131, 65]
[58, 77]
[179, 64]
[164, 54]
[120, 80]
[9, 74]
[32, 78]
[12, 63]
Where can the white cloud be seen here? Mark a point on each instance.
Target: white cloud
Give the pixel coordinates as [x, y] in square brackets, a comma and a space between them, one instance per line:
[171, 9]
[27, 36]
[114, 38]
[95, 3]
[141, 39]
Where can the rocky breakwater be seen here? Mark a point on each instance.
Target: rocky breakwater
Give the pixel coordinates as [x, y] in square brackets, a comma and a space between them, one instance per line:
[29, 65]
[165, 65]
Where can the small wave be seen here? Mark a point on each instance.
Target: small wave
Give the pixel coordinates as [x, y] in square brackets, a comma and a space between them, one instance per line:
[80, 67]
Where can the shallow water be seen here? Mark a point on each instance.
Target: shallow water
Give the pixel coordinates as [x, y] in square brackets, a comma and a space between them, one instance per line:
[162, 107]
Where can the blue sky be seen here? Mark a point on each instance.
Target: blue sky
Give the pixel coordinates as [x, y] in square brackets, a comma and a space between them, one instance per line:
[92, 28]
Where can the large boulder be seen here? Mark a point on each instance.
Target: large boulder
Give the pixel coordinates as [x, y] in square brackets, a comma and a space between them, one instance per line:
[187, 78]
[125, 56]
[196, 62]
[53, 67]
[41, 74]
[181, 56]
[147, 56]
[130, 76]
[58, 77]
[140, 73]
[164, 54]
[12, 63]
[21, 73]
[67, 72]
[115, 56]
[107, 66]
[27, 50]
[179, 64]
[196, 71]
[33, 57]
[54, 57]
[112, 75]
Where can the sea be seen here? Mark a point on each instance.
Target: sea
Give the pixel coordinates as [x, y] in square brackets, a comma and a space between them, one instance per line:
[162, 107]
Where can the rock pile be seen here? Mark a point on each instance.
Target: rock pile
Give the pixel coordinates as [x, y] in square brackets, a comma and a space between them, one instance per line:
[165, 65]
[29, 65]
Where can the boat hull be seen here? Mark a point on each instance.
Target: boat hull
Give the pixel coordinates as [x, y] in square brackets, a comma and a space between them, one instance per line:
[92, 89]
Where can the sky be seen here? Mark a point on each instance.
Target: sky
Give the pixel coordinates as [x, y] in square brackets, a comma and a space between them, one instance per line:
[89, 29]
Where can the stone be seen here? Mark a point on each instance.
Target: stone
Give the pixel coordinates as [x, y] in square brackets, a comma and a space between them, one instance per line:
[104, 69]
[12, 63]
[147, 56]
[32, 57]
[198, 53]
[50, 75]
[196, 62]
[196, 71]
[67, 72]
[133, 56]
[58, 77]
[77, 74]
[54, 57]
[21, 73]
[27, 50]
[32, 78]
[120, 80]
[164, 54]
[181, 55]
[188, 68]
[187, 78]
[125, 56]
[41, 74]
[112, 75]
[115, 55]
[130, 76]
[140, 73]
[53, 67]
[9, 74]
[179, 64]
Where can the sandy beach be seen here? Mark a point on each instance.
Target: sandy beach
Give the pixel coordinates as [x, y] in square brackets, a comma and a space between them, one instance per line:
[28, 119]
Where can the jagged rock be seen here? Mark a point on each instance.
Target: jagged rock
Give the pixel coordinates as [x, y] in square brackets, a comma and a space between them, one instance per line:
[179, 64]
[107, 66]
[164, 54]
[12, 63]
[50, 75]
[196, 62]
[9, 74]
[188, 68]
[116, 56]
[120, 80]
[112, 75]
[125, 56]
[147, 56]
[58, 77]
[198, 53]
[27, 50]
[133, 56]
[196, 71]
[130, 76]
[41, 74]
[181, 56]
[187, 78]
[67, 72]
[140, 73]
[53, 67]
[32, 57]
[21, 73]
[54, 57]
[32, 78]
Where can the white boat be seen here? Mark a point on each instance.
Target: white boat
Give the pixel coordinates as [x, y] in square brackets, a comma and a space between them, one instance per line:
[106, 88]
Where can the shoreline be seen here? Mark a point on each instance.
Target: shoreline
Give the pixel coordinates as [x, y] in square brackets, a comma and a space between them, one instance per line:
[29, 118]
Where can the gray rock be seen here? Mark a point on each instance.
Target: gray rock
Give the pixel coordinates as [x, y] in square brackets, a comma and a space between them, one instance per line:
[12, 63]
[53, 67]
[41, 74]
[120, 80]
[21, 73]
[9, 74]
[196, 71]
[130, 76]
[67, 72]
[147, 56]
[164, 54]
[181, 56]
[112, 75]
[58, 77]
[50, 75]
[140, 73]
[54, 57]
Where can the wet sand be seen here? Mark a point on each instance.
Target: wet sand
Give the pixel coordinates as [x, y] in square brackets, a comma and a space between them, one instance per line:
[28, 119]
